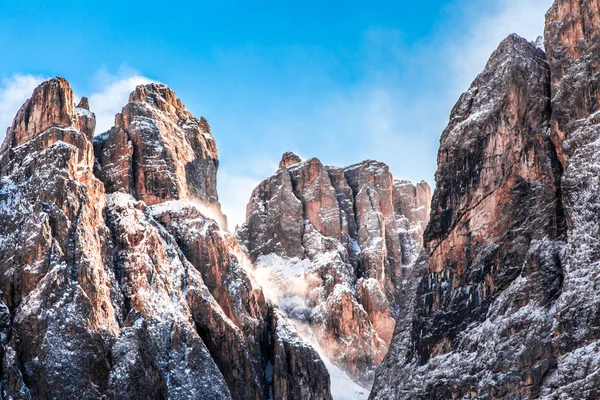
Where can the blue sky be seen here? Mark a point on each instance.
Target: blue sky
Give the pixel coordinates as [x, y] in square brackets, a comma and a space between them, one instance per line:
[342, 81]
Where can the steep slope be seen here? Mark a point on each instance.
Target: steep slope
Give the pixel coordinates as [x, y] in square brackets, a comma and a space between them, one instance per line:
[333, 246]
[573, 45]
[482, 322]
[507, 301]
[135, 293]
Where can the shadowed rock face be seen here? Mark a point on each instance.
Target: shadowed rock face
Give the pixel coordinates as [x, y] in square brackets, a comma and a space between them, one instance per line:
[573, 45]
[572, 37]
[505, 299]
[135, 293]
[336, 243]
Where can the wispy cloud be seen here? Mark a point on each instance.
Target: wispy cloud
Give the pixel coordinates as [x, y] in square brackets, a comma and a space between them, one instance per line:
[13, 93]
[234, 193]
[395, 113]
[490, 25]
[112, 94]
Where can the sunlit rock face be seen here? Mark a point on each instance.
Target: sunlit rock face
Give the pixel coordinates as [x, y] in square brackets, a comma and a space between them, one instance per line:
[505, 300]
[333, 246]
[121, 285]
[158, 151]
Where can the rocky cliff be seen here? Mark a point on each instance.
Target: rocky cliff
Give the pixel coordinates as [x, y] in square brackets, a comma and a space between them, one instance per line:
[115, 281]
[334, 246]
[505, 297]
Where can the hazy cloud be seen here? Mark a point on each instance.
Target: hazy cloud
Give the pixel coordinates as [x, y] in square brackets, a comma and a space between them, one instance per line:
[234, 193]
[112, 95]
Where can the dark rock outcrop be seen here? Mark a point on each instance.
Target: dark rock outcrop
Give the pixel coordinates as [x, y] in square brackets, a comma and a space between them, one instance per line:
[505, 303]
[335, 243]
[124, 287]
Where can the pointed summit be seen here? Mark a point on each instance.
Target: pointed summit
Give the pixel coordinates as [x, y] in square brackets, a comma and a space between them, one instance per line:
[51, 104]
[158, 151]
[289, 158]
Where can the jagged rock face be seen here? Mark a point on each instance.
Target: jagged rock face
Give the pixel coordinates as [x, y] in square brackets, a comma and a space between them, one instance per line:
[158, 151]
[334, 244]
[539, 336]
[289, 159]
[482, 321]
[572, 38]
[52, 104]
[412, 205]
[104, 295]
[573, 45]
[53, 279]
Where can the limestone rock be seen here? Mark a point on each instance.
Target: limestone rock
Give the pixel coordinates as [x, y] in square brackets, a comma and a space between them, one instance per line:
[507, 299]
[158, 151]
[289, 159]
[481, 319]
[137, 293]
[334, 245]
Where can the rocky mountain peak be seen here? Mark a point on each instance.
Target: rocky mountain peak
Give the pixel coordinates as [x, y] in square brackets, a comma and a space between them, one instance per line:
[158, 151]
[504, 304]
[288, 159]
[115, 279]
[51, 104]
[84, 104]
[335, 244]
[160, 97]
[572, 37]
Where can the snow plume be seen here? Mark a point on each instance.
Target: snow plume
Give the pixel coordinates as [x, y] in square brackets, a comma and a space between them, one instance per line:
[287, 283]
[291, 285]
[13, 93]
[212, 211]
[342, 386]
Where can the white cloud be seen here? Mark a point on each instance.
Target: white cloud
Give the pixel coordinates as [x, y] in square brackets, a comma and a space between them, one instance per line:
[13, 93]
[112, 95]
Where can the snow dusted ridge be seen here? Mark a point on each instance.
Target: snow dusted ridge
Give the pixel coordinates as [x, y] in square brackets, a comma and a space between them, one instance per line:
[124, 286]
[506, 298]
[331, 247]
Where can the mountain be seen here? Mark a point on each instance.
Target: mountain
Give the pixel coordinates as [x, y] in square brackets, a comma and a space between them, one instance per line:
[333, 247]
[506, 297]
[118, 278]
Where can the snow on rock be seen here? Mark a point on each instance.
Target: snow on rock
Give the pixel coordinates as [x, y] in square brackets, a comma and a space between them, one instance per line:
[331, 246]
[138, 293]
[505, 299]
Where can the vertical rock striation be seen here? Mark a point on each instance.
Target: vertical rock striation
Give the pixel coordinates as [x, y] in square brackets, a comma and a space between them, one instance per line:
[505, 303]
[334, 244]
[482, 319]
[573, 46]
[123, 286]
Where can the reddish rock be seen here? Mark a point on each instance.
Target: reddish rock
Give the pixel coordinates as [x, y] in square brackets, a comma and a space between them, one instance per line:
[288, 159]
[479, 322]
[109, 296]
[341, 227]
[572, 38]
[158, 151]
